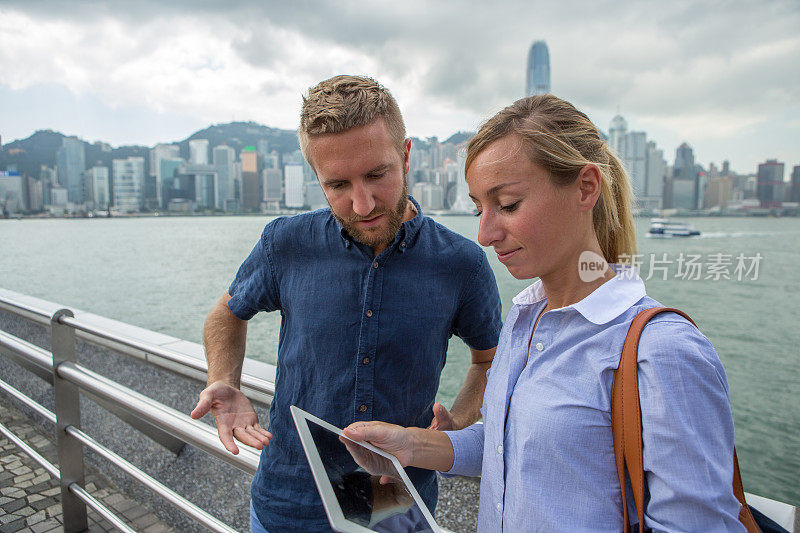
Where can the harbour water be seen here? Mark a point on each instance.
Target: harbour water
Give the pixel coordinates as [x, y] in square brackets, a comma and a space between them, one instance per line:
[740, 281]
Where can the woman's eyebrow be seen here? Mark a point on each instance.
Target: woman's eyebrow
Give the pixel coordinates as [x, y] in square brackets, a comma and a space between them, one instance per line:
[496, 188]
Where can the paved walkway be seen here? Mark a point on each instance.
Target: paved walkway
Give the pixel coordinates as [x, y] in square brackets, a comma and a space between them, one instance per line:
[30, 498]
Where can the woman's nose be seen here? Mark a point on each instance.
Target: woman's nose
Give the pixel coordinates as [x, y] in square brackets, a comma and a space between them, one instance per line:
[488, 229]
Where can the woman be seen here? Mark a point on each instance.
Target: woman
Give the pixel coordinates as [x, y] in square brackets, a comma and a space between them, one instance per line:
[555, 204]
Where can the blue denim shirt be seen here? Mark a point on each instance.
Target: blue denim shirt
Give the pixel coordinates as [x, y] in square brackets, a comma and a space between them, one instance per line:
[361, 338]
[545, 450]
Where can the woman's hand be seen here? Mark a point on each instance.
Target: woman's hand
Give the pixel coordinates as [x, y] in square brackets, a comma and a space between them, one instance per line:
[423, 448]
[396, 440]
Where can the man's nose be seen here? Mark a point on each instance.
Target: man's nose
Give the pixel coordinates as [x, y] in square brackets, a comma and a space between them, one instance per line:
[363, 201]
[489, 231]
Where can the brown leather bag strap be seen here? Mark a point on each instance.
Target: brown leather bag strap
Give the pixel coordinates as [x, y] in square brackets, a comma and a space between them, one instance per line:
[626, 424]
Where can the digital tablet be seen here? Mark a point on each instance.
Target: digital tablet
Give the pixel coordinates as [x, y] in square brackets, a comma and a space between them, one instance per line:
[347, 477]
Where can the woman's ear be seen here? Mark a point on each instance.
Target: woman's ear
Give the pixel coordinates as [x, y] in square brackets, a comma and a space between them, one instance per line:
[589, 186]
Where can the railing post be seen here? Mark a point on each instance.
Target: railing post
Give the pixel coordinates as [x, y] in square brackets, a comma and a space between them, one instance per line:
[68, 413]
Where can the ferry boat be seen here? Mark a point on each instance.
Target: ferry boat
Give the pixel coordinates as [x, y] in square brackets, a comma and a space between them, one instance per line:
[663, 227]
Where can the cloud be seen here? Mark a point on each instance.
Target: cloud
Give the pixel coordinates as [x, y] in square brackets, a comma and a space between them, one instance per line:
[712, 69]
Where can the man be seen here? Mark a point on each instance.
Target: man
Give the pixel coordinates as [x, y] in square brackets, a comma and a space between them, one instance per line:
[369, 292]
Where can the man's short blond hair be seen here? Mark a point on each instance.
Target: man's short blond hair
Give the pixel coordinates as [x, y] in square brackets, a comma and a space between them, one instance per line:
[344, 102]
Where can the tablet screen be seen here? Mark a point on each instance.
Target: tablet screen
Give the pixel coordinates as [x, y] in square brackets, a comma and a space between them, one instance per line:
[354, 473]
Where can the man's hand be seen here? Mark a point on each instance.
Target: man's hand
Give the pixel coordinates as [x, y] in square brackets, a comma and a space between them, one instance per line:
[443, 420]
[234, 416]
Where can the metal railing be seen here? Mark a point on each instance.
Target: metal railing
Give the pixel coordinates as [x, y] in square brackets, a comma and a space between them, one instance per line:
[160, 422]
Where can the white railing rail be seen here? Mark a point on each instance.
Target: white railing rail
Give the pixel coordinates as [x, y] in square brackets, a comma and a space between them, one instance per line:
[71, 379]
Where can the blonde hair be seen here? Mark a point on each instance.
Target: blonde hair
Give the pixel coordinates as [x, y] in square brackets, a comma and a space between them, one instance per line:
[563, 140]
[344, 102]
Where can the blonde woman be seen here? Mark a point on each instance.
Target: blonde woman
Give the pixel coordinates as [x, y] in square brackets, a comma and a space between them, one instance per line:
[550, 193]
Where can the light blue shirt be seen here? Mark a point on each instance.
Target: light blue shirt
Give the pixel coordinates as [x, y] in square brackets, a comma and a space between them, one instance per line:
[545, 450]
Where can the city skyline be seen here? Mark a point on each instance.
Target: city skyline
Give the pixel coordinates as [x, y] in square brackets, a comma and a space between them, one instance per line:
[145, 73]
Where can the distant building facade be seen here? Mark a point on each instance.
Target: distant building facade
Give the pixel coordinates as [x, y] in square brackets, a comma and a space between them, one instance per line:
[97, 189]
[13, 193]
[224, 158]
[794, 192]
[198, 151]
[769, 188]
[537, 74]
[293, 180]
[128, 176]
[684, 186]
[70, 164]
[251, 186]
[159, 153]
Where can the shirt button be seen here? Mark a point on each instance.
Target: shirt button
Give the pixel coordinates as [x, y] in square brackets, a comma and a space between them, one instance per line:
[500, 449]
[539, 346]
[365, 360]
[362, 407]
[369, 313]
[499, 506]
[375, 264]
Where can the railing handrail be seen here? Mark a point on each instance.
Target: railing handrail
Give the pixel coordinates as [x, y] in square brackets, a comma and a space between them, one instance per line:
[248, 381]
[200, 435]
[174, 422]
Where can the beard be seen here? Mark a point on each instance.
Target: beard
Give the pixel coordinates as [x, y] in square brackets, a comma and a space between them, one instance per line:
[377, 236]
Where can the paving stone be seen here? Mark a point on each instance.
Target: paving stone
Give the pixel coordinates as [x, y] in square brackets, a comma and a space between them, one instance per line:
[41, 478]
[7, 518]
[44, 503]
[124, 505]
[30, 497]
[36, 517]
[13, 526]
[135, 512]
[14, 505]
[47, 525]
[54, 509]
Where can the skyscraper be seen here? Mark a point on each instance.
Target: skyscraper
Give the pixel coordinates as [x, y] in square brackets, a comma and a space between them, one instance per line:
[157, 154]
[71, 163]
[198, 151]
[685, 183]
[770, 183]
[537, 76]
[128, 175]
[224, 158]
[251, 188]
[617, 136]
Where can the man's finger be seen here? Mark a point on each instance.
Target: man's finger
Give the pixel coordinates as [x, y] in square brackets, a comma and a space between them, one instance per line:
[262, 431]
[202, 408]
[226, 437]
[256, 439]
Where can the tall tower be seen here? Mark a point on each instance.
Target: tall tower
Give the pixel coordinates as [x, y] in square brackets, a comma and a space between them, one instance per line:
[618, 136]
[71, 161]
[537, 76]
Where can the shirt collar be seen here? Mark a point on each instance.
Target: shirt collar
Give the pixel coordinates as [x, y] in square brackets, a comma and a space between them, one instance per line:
[605, 303]
[405, 235]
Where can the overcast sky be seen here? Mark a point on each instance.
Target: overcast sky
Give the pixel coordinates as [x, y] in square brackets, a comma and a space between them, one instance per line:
[722, 76]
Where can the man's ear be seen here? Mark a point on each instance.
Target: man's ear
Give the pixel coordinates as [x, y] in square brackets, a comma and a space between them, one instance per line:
[406, 156]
